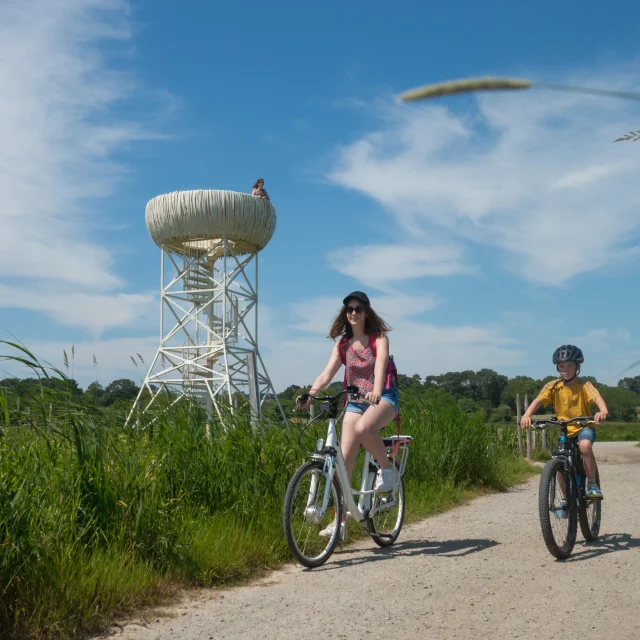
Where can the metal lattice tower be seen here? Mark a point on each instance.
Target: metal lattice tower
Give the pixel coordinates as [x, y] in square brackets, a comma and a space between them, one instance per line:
[208, 350]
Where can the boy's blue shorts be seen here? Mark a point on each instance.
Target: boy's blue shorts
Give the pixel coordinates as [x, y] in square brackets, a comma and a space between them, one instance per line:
[586, 433]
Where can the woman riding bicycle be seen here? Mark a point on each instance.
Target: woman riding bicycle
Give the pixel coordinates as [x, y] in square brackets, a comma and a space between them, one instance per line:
[362, 334]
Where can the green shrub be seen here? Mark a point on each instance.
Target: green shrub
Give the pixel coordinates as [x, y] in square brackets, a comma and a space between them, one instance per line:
[97, 518]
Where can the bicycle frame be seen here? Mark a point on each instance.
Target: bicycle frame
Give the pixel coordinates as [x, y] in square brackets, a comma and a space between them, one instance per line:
[332, 456]
[569, 451]
[574, 467]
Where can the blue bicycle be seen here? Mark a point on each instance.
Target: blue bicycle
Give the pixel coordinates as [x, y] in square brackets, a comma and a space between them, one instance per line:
[563, 498]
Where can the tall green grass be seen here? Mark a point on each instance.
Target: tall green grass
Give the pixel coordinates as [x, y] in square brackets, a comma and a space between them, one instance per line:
[97, 519]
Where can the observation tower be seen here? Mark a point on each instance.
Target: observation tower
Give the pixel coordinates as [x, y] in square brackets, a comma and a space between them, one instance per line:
[209, 241]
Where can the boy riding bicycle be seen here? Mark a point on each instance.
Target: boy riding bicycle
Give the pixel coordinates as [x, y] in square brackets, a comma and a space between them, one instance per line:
[571, 398]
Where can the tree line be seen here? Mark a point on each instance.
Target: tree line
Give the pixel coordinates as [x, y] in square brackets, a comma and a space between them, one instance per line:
[485, 391]
[494, 394]
[116, 393]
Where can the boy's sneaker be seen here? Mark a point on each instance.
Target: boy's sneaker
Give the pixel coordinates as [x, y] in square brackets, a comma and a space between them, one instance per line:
[593, 492]
[561, 510]
[385, 480]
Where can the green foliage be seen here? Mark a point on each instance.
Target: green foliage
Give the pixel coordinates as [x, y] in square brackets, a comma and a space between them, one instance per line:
[121, 389]
[485, 384]
[95, 392]
[622, 403]
[409, 382]
[466, 405]
[630, 384]
[98, 518]
[524, 385]
[502, 414]
[290, 392]
[618, 431]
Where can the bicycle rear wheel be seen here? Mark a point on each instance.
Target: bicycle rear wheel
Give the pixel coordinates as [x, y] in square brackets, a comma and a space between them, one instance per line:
[559, 525]
[385, 525]
[590, 517]
[302, 519]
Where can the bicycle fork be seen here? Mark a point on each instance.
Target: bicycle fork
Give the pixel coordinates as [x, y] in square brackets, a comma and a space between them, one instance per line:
[314, 512]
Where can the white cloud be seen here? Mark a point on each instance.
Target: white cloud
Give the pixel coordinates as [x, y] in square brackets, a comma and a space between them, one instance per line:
[535, 175]
[585, 176]
[378, 265]
[317, 314]
[603, 340]
[94, 313]
[58, 139]
[418, 347]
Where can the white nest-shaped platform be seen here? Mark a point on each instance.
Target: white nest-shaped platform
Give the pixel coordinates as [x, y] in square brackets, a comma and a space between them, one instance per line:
[193, 222]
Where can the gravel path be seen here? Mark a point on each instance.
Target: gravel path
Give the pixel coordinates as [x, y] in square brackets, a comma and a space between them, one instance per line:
[478, 571]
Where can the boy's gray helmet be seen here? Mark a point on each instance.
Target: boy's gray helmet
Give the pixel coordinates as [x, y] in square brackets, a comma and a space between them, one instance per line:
[568, 353]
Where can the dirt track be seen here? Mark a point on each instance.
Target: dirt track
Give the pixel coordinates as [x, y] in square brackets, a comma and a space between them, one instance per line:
[478, 571]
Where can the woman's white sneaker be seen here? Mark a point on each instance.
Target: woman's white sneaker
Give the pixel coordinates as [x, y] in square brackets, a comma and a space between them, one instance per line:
[328, 531]
[385, 479]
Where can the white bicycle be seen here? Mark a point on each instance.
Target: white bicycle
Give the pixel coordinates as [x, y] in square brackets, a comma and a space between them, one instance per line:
[320, 491]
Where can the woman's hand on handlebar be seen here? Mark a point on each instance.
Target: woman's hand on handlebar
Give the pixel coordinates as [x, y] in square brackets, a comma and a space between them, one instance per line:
[372, 397]
[525, 422]
[601, 416]
[303, 400]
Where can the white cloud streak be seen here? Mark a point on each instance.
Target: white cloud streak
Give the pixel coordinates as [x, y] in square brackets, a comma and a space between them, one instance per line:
[379, 265]
[419, 347]
[95, 313]
[535, 176]
[59, 136]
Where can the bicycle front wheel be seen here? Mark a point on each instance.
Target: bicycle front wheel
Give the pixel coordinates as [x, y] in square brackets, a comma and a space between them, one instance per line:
[557, 505]
[311, 534]
[590, 517]
[386, 523]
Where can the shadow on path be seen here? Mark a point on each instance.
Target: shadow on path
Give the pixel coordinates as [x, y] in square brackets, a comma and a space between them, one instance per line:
[450, 548]
[606, 544]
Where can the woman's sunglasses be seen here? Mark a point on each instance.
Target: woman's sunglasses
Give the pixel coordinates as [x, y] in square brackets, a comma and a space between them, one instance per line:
[358, 309]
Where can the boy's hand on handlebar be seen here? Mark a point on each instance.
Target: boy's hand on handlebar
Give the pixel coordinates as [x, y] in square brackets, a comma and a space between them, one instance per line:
[372, 397]
[525, 422]
[601, 416]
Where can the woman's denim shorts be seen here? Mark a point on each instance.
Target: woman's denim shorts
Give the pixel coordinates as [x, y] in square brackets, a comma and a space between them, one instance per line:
[389, 395]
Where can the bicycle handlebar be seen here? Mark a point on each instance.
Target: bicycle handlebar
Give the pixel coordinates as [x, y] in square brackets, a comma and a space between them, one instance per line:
[543, 424]
[351, 390]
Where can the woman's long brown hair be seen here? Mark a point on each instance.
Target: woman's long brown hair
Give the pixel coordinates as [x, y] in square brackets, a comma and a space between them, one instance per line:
[373, 324]
[257, 184]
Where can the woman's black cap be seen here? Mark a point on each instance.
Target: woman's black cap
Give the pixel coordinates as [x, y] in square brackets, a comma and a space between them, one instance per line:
[358, 295]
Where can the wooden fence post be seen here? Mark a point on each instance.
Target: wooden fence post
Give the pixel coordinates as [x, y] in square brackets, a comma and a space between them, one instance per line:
[545, 446]
[534, 432]
[500, 434]
[518, 416]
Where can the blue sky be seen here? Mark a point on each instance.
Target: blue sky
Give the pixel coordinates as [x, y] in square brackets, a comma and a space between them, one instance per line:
[488, 229]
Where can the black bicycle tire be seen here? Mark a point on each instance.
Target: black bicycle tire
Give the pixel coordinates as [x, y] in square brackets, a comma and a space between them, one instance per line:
[310, 563]
[383, 540]
[587, 532]
[556, 465]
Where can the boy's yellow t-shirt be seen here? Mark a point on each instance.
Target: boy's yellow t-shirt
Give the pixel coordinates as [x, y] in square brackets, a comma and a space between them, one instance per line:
[569, 401]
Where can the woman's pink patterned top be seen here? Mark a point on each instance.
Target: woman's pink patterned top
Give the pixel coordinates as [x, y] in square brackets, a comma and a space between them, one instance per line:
[361, 368]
